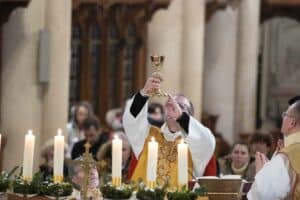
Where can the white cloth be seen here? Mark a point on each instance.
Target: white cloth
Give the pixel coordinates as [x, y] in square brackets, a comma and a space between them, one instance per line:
[74, 134]
[275, 180]
[200, 140]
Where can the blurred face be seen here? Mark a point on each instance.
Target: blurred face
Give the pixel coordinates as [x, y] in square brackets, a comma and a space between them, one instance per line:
[240, 155]
[126, 151]
[78, 178]
[259, 147]
[157, 115]
[91, 135]
[81, 114]
[183, 103]
[49, 156]
[288, 121]
[93, 178]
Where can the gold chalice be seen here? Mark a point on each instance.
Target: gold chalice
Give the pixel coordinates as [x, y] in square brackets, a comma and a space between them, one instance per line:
[157, 62]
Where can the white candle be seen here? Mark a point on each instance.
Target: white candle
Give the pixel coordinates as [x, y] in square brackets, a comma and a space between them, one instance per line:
[182, 163]
[28, 156]
[116, 160]
[59, 143]
[152, 160]
[0, 141]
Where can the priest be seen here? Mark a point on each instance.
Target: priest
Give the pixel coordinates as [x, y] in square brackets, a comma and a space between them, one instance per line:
[180, 124]
[278, 178]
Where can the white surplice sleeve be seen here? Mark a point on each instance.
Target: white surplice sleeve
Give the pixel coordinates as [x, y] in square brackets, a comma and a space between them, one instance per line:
[136, 128]
[273, 181]
[201, 144]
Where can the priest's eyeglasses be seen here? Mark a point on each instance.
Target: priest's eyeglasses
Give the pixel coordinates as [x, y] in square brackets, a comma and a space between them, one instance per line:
[285, 114]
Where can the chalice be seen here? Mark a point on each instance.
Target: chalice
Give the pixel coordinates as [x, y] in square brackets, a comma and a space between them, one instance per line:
[157, 62]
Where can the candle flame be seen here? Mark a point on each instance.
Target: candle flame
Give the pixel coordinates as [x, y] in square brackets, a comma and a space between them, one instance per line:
[153, 139]
[116, 137]
[29, 132]
[182, 141]
[59, 131]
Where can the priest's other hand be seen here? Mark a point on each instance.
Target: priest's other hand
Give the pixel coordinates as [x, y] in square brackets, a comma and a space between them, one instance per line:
[152, 84]
[280, 145]
[173, 109]
[260, 160]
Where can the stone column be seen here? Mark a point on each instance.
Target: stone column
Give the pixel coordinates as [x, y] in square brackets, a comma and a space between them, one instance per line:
[192, 52]
[21, 102]
[165, 37]
[55, 102]
[220, 69]
[248, 40]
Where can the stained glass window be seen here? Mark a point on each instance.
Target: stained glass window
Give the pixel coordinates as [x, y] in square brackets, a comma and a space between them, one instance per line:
[113, 49]
[94, 53]
[130, 59]
[74, 92]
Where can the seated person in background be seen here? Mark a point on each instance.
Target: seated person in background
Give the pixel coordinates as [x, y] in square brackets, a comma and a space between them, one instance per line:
[104, 155]
[92, 135]
[76, 176]
[156, 114]
[261, 142]
[47, 154]
[113, 118]
[238, 162]
[79, 113]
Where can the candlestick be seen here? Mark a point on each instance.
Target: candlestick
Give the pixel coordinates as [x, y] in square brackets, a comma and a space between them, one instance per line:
[182, 163]
[152, 163]
[59, 144]
[116, 161]
[28, 156]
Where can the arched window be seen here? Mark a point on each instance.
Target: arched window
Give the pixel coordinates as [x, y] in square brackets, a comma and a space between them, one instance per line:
[109, 51]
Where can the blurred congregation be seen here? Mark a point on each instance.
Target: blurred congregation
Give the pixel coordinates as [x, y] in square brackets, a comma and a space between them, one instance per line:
[84, 126]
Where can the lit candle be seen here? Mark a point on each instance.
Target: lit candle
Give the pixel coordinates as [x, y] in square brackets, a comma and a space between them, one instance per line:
[116, 161]
[59, 143]
[152, 162]
[28, 156]
[182, 163]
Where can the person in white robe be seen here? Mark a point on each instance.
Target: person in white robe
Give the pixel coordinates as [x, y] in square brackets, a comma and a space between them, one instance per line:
[179, 124]
[278, 179]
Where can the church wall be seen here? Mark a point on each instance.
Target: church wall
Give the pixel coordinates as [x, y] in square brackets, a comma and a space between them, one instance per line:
[21, 102]
[220, 70]
[165, 37]
[193, 43]
[27, 103]
[178, 33]
[56, 92]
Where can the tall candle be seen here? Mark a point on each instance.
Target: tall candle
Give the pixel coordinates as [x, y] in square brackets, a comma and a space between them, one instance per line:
[152, 162]
[182, 163]
[116, 161]
[0, 141]
[59, 143]
[28, 156]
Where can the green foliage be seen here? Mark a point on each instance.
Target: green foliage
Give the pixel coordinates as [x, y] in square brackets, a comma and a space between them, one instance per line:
[113, 192]
[23, 187]
[145, 193]
[185, 194]
[56, 189]
[5, 179]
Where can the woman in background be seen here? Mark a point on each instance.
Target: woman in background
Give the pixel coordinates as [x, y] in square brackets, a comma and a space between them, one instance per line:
[238, 162]
[81, 112]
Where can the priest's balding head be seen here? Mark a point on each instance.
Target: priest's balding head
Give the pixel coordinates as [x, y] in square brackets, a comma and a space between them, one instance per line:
[185, 104]
[291, 119]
